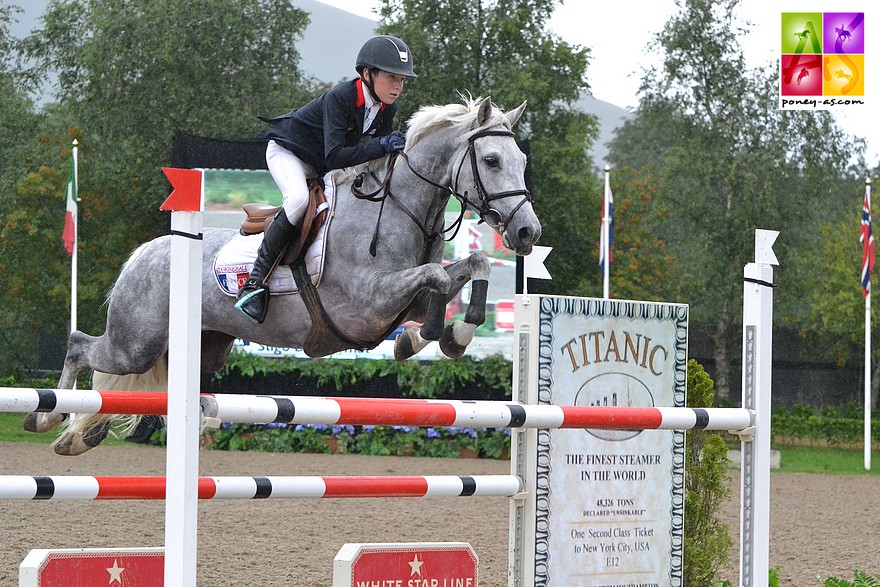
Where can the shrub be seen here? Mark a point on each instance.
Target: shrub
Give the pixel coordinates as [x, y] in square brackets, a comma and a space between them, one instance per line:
[707, 540]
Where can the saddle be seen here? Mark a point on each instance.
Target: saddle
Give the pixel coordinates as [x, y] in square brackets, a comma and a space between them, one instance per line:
[259, 216]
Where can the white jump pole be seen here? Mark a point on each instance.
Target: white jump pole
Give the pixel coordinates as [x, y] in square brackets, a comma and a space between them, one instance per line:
[184, 358]
[754, 560]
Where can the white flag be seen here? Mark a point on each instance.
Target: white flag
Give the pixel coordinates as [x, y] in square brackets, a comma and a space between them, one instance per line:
[533, 265]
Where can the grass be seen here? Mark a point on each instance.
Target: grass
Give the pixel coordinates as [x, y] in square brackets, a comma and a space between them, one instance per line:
[11, 431]
[831, 461]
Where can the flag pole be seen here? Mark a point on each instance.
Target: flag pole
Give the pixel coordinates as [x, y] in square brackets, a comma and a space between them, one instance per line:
[868, 352]
[606, 249]
[73, 259]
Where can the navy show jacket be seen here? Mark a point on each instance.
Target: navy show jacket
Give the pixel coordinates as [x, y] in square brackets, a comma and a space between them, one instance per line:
[327, 133]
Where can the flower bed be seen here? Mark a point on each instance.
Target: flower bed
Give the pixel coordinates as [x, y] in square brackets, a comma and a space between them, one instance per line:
[491, 443]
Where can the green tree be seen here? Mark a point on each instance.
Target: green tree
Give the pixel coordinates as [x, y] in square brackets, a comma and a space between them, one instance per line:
[642, 265]
[503, 49]
[129, 76]
[707, 540]
[731, 162]
[133, 74]
[833, 324]
[24, 238]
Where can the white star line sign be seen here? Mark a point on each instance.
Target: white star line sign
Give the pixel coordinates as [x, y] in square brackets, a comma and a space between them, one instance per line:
[115, 573]
[416, 566]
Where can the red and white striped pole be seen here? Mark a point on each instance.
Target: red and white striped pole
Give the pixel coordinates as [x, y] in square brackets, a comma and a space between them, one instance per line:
[81, 487]
[249, 409]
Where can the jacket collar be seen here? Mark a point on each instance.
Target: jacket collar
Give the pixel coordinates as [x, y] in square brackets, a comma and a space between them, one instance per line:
[361, 100]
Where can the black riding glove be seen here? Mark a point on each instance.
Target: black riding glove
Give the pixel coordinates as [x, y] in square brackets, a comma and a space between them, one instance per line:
[393, 143]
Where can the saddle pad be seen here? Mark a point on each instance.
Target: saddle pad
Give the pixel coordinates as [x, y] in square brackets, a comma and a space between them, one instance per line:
[235, 259]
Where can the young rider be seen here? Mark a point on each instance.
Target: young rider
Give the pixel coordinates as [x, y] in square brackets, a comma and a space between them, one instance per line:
[330, 132]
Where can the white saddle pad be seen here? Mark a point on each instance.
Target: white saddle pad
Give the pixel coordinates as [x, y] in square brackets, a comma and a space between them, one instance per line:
[235, 260]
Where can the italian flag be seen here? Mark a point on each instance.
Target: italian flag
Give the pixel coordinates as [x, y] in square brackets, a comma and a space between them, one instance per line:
[69, 234]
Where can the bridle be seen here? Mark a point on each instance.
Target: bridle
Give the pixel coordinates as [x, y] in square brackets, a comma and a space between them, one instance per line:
[482, 205]
[484, 199]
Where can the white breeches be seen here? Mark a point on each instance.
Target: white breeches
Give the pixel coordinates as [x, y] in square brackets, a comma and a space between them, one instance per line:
[290, 173]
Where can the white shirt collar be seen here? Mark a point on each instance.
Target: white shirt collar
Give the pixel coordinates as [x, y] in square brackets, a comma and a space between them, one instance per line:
[371, 109]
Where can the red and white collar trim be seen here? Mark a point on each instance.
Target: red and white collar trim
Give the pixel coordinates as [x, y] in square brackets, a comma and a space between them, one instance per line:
[361, 99]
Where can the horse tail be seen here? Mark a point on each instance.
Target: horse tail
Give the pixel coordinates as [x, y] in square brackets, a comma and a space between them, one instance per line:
[82, 432]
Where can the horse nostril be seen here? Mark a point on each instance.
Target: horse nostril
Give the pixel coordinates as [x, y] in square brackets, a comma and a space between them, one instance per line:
[524, 235]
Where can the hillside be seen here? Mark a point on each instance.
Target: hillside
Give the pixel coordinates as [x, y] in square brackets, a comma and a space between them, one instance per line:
[328, 49]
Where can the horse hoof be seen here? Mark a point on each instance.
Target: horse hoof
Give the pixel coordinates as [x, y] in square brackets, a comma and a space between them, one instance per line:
[42, 422]
[403, 348]
[449, 346]
[74, 443]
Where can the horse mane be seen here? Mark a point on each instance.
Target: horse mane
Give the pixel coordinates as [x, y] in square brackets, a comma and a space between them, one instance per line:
[428, 119]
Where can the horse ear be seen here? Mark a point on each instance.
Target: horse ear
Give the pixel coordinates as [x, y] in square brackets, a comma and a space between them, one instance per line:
[514, 115]
[484, 111]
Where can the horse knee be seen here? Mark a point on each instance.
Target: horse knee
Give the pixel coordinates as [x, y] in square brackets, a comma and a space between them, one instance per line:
[438, 280]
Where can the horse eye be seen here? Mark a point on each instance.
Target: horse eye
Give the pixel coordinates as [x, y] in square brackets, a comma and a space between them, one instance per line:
[492, 161]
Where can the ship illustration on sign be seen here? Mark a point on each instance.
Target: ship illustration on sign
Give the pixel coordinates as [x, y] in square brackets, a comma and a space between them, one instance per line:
[614, 389]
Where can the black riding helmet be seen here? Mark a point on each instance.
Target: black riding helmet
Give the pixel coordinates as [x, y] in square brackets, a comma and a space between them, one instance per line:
[388, 54]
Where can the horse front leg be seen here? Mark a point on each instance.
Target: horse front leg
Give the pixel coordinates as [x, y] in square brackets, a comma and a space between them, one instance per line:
[455, 337]
[458, 335]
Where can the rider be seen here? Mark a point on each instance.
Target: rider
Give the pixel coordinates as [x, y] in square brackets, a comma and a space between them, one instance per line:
[330, 132]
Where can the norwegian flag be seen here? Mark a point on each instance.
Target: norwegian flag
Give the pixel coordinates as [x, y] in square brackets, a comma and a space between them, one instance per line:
[867, 239]
[606, 232]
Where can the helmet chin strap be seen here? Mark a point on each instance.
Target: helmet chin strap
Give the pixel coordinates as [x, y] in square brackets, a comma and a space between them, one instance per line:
[369, 85]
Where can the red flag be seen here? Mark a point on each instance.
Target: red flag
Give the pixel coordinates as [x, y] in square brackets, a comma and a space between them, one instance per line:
[69, 234]
[867, 239]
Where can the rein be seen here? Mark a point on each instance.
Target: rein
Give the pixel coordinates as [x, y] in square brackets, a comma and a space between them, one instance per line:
[481, 205]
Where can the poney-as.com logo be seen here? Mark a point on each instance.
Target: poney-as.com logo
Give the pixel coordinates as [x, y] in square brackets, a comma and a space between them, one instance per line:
[822, 66]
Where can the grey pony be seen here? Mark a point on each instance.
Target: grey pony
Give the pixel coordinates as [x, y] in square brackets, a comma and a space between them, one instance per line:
[466, 150]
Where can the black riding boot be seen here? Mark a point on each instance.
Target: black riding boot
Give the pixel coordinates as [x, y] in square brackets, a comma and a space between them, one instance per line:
[253, 297]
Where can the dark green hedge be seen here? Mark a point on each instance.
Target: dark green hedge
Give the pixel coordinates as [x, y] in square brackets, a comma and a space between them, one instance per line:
[835, 426]
[464, 378]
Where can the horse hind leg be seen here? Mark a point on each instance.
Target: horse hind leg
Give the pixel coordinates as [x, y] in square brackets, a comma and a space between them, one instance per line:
[84, 432]
[74, 362]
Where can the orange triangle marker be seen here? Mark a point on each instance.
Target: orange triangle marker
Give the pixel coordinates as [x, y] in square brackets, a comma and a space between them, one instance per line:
[187, 193]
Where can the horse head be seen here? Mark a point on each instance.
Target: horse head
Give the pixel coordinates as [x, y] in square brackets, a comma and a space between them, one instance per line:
[487, 171]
